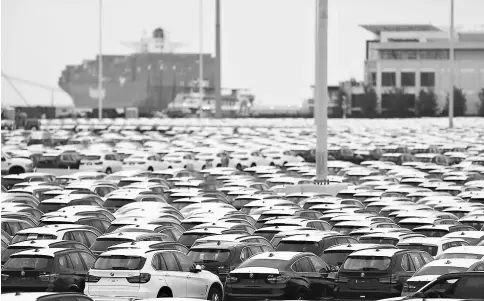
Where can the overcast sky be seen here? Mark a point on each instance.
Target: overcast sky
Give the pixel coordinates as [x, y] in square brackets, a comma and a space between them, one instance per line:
[267, 45]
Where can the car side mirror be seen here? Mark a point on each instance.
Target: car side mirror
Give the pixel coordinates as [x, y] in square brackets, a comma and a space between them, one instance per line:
[196, 269]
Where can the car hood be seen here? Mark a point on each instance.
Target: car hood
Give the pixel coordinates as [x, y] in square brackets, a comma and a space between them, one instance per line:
[423, 278]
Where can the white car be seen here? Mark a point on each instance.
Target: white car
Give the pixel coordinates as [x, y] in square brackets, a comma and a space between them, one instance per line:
[183, 160]
[108, 163]
[143, 273]
[144, 161]
[12, 165]
[241, 159]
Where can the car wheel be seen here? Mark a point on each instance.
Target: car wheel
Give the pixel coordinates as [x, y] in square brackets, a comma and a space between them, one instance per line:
[214, 294]
[239, 167]
[300, 295]
[16, 170]
[203, 167]
[253, 165]
[150, 168]
[219, 165]
[272, 164]
[108, 170]
[169, 167]
[164, 293]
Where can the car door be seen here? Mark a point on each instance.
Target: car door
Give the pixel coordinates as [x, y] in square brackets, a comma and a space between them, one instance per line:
[407, 268]
[325, 272]
[79, 270]
[306, 271]
[197, 284]
[65, 270]
[171, 272]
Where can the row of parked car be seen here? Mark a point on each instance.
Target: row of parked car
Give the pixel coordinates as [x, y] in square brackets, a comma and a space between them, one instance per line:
[397, 229]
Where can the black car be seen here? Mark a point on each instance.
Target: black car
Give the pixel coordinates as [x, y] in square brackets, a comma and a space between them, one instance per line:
[48, 269]
[280, 275]
[222, 257]
[66, 160]
[378, 273]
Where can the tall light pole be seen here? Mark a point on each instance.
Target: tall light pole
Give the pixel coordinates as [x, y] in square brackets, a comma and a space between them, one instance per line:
[452, 67]
[321, 91]
[218, 63]
[100, 63]
[200, 58]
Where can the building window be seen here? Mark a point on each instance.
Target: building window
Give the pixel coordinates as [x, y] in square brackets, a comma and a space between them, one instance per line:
[373, 79]
[427, 79]
[408, 79]
[388, 79]
[439, 54]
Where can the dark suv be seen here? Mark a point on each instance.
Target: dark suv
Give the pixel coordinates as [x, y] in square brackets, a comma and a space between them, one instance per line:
[378, 273]
[222, 257]
[49, 269]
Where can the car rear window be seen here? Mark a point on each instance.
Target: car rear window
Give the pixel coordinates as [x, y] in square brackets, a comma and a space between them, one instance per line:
[29, 263]
[460, 255]
[209, 255]
[31, 236]
[189, 239]
[367, 263]
[432, 233]
[266, 263]
[117, 203]
[299, 246]
[91, 158]
[103, 244]
[432, 250]
[119, 262]
[436, 270]
[335, 258]
[379, 240]
[12, 250]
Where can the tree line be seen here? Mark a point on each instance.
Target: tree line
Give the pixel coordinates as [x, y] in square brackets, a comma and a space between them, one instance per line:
[397, 103]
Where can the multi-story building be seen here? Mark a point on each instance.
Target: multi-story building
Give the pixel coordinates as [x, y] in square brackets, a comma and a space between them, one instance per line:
[417, 57]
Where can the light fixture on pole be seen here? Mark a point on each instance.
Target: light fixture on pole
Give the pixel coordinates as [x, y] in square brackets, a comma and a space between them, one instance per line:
[100, 93]
[451, 65]
[321, 91]
[200, 58]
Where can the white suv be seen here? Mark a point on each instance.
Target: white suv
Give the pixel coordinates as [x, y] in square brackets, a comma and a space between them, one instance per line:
[12, 165]
[143, 273]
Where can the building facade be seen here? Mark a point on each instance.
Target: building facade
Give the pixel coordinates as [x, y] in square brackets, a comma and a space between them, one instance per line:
[417, 57]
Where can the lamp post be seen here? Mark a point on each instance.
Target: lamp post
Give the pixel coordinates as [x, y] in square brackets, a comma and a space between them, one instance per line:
[452, 65]
[218, 63]
[200, 58]
[321, 91]
[100, 63]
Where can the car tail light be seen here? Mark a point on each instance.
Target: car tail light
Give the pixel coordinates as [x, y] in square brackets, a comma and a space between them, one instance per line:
[98, 163]
[409, 288]
[142, 278]
[231, 279]
[342, 279]
[392, 279]
[4, 277]
[49, 277]
[91, 278]
[278, 279]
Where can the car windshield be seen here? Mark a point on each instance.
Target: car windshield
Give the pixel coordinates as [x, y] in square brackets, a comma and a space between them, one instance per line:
[119, 262]
[367, 263]
[189, 239]
[335, 258]
[28, 263]
[117, 203]
[299, 246]
[460, 256]
[432, 250]
[209, 255]
[439, 270]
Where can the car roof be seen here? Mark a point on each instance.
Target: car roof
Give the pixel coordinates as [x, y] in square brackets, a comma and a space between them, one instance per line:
[376, 252]
[356, 247]
[278, 255]
[314, 237]
[126, 252]
[454, 262]
[473, 234]
[466, 249]
[43, 243]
